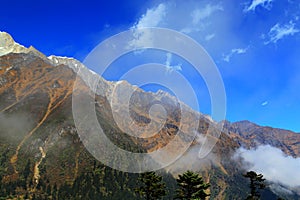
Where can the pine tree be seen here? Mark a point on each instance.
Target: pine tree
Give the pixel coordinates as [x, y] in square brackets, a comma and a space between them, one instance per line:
[256, 183]
[191, 186]
[151, 187]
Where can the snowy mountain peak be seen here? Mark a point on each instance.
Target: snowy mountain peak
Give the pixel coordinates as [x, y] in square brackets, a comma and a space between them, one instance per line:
[8, 45]
[71, 62]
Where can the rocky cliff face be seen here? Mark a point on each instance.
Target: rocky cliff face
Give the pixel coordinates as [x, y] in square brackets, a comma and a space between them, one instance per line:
[252, 135]
[39, 143]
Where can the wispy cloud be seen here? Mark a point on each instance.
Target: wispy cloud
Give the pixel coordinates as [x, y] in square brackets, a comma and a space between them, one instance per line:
[227, 57]
[264, 103]
[209, 37]
[170, 68]
[277, 32]
[199, 16]
[273, 164]
[264, 3]
[169, 59]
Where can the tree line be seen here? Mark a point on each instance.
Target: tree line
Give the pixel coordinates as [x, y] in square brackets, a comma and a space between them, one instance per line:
[191, 186]
[104, 183]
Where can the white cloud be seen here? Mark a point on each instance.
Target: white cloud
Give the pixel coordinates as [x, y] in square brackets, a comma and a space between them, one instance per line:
[265, 103]
[190, 160]
[198, 19]
[169, 59]
[279, 189]
[188, 30]
[173, 68]
[152, 18]
[201, 14]
[209, 37]
[170, 68]
[233, 52]
[277, 32]
[239, 51]
[273, 164]
[264, 3]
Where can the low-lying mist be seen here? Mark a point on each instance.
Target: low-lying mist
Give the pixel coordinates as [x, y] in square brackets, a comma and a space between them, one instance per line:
[278, 168]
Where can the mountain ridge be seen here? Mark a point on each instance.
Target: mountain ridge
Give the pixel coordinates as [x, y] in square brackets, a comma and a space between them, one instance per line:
[42, 88]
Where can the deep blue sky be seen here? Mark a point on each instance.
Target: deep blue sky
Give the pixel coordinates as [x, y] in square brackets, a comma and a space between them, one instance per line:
[255, 43]
[65, 27]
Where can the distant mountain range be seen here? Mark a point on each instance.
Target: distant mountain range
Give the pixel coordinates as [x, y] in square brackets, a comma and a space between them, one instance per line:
[42, 156]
